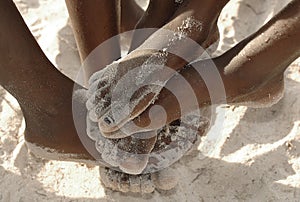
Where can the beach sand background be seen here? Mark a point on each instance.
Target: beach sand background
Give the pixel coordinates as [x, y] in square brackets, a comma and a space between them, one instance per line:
[256, 157]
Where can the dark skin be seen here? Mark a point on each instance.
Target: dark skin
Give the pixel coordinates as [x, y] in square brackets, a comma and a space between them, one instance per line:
[47, 109]
[156, 16]
[45, 94]
[204, 12]
[166, 13]
[130, 15]
[96, 21]
[273, 47]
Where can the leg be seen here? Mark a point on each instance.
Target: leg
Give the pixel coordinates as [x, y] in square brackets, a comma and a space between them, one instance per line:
[44, 94]
[251, 71]
[157, 15]
[196, 20]
[94, 22]
[130, 15]
[201, 21]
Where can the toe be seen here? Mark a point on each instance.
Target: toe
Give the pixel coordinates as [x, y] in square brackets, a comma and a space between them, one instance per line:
[110, 153]
[110, 178]
[105, 177]
[124, 184]
[99, 109]
[95, 77]
[146, 184]
[97, 85]
[122, 111]
[134, 165]
[107, 123]
[165, 179]
[135, 183]
[135, 152]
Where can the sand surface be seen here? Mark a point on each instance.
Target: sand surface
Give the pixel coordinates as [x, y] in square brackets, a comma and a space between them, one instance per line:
[256, 157]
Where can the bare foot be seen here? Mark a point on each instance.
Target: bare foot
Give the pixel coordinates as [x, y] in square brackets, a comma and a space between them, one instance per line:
[130, 154]
[146, 183]
[124, 79]
[252, 72]
[172, 142]
[150, 151]
[44, 94]
[45, 97]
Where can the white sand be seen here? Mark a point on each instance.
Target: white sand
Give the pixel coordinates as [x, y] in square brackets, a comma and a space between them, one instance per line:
[256, 158]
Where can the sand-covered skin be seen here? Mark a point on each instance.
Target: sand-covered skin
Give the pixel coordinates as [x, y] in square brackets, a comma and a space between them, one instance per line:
[257, 157]
[115, 91]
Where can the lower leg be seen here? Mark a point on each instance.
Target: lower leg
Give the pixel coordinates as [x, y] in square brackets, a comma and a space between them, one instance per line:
[248, 70]
[157, 15]
[191, 20]
[94, 22]
[195, 20]
[130, 15]
[44, 94]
